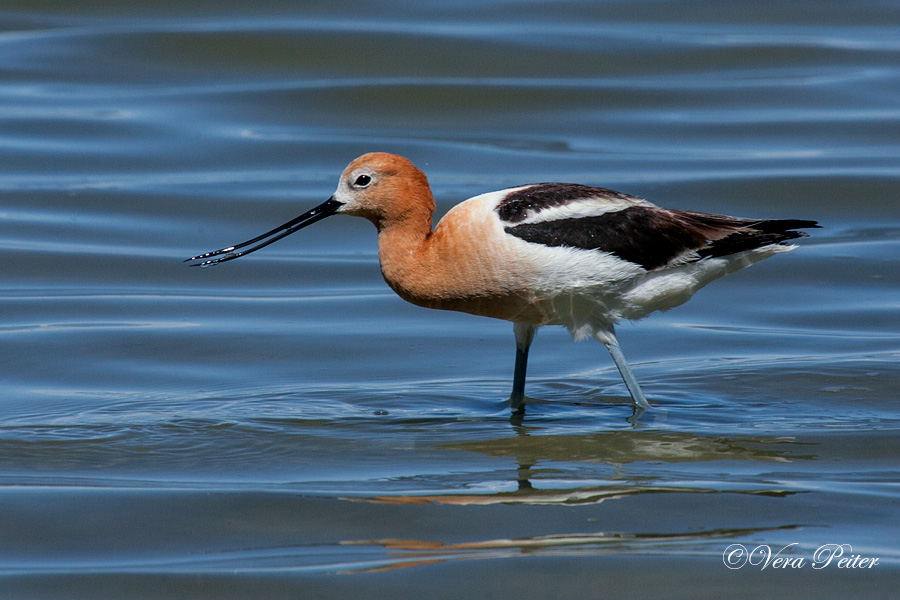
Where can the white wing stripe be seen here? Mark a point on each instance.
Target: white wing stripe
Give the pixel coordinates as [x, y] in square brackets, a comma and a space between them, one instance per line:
[582, 207]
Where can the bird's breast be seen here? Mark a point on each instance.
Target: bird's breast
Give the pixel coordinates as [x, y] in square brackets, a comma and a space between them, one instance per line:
[468, 264]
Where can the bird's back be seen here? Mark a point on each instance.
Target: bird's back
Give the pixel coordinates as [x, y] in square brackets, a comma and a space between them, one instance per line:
[583, 257]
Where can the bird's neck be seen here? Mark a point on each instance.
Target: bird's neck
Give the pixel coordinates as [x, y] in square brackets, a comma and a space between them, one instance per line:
[403, 251]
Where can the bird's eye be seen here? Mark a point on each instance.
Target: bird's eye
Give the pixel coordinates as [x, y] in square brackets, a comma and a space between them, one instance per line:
[362, 181]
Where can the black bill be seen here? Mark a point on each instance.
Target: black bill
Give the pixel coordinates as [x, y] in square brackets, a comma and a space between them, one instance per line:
[327, 208]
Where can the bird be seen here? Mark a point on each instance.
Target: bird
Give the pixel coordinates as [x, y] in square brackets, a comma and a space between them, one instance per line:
[566, 254]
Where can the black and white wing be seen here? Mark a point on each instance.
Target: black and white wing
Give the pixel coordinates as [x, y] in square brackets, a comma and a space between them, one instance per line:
[632, 229]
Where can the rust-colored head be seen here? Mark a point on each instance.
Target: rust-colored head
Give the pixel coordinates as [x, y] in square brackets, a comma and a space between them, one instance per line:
[384, 188]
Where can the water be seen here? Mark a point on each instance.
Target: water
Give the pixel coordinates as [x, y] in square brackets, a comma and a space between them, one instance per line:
[283, 426]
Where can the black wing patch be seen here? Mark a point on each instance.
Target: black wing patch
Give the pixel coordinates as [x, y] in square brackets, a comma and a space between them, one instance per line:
[653, 237]
[515, 207]
[740, 241]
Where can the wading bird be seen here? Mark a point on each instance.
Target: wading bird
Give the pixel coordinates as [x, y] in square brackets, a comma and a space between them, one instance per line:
[539, 254]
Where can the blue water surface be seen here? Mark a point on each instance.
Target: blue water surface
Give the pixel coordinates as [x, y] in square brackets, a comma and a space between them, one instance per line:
[284, 426]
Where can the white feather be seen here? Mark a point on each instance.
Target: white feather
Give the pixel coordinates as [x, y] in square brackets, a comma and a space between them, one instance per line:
[583, 207]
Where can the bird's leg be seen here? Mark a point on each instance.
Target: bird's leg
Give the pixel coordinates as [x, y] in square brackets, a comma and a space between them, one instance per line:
[524, 336]
[637, 396]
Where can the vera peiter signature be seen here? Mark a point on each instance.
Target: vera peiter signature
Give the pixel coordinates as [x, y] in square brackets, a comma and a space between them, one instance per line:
[841, 556]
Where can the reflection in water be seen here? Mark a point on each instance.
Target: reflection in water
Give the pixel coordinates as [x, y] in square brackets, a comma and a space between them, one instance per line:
[623, 447]
[405, 553]
[551, 484]
[617, 449]
[528, 494]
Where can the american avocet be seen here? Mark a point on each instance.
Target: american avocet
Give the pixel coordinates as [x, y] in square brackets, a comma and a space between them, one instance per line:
[540, 254]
